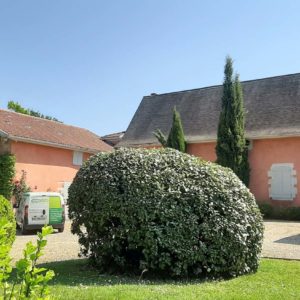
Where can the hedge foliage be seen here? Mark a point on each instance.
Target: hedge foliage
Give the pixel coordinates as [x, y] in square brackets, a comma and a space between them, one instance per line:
[7, 173]
[279, 213]
[6, 212]
[164, 211]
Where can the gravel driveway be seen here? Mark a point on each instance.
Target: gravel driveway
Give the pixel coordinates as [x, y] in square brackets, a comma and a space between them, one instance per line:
[282, 240]
[60, 246]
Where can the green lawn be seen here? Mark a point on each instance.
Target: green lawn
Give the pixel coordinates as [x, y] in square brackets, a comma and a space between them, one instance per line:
[275, 279]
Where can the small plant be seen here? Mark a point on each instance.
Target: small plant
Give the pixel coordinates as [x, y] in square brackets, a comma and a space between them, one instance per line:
[20, 187]
[31, 281]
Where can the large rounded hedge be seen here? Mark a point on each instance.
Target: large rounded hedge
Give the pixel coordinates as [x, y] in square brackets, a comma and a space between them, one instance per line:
[7, 213]
[164, 211]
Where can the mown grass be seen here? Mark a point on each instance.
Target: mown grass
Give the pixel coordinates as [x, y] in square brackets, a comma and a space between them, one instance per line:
[275, 279]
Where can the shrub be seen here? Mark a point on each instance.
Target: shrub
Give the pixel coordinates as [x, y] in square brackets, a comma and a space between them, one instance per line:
[6, 212]
[166, 212]
[279, 213]
[7, 173]
[266, 209]
[19, 188]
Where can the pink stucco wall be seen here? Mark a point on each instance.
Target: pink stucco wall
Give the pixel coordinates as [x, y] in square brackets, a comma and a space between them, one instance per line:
[46, 167]
[203, 150]
[263, 154]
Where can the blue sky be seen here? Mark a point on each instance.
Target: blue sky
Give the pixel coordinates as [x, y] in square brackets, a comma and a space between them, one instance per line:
[89, 63]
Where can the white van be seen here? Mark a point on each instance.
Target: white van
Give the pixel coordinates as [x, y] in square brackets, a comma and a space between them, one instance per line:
[39, 208]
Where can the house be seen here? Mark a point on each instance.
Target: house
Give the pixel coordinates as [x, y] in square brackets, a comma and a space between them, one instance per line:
[272, 127]
[49, 152]
[113, 138]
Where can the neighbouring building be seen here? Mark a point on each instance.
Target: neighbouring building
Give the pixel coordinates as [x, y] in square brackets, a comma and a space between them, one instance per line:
[272, 107]
[113, 138]
[49, 152]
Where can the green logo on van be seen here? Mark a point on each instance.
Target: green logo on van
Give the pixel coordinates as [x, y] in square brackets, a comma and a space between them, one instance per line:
[55, 210]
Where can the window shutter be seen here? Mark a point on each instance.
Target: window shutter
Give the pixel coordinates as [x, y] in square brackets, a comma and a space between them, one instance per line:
[282, 182]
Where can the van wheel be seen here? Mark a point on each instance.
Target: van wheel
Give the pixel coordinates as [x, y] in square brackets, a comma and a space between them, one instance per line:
[23, 230]
[61, 229]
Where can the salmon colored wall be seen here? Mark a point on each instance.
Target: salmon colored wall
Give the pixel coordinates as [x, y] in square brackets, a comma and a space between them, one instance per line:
[263, 154]
[203, 150]
[46, 167]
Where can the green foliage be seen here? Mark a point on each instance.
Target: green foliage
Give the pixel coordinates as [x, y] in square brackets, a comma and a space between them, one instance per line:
[279, 213]
[5, 246]
[231, 143]
[244, 172]
[161, 137]
[266, 209]
[164, 211]
[7, 173]
[15, 106]
[20, 187]
[6, 212]
[176, 138]
[31, 282]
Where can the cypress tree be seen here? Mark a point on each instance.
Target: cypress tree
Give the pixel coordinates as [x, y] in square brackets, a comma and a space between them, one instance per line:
[231, 143]
[176, 138]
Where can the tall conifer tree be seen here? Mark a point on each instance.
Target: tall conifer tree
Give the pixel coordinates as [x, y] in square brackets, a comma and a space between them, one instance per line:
[231, 146]
[176, 138]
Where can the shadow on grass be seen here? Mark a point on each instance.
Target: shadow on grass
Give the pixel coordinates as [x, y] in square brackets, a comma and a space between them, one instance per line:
[78, 272]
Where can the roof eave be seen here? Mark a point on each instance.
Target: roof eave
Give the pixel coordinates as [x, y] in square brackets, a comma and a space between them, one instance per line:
[248, 136]
[51, 144]
[195, 140]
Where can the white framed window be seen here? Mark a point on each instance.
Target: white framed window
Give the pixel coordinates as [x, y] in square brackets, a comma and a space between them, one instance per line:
[77, 158]
[282, 182]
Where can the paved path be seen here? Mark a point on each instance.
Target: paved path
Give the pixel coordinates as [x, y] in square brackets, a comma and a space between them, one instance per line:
[282, 240]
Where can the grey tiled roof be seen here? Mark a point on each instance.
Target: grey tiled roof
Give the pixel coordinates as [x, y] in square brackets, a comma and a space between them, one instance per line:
[272, 108]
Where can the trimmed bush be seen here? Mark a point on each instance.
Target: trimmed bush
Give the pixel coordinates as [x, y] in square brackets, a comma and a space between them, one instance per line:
[6, 212]
[164, 211]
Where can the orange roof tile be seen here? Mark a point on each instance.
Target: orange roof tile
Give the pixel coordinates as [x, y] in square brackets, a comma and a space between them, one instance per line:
[35, 130]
